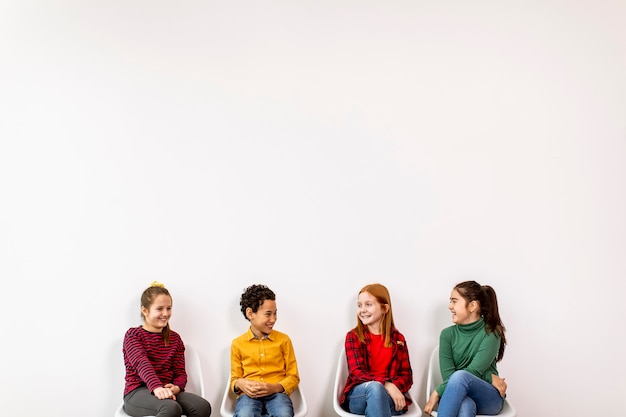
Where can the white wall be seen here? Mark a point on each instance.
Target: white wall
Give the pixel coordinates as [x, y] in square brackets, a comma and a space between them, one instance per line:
[314, 147]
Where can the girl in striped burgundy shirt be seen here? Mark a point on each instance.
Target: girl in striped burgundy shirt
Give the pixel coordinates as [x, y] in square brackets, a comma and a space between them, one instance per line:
[154, 356]
[379, 370]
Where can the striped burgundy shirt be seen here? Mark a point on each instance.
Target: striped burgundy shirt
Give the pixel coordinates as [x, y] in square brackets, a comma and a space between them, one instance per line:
[150, 363]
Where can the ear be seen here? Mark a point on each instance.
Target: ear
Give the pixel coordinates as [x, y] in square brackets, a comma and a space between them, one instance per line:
[473, 305]
[249, 313]
[385, 308]
[144, 311]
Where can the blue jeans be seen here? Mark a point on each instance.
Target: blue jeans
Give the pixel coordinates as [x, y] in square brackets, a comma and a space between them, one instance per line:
[275, 405]
[371, 399]
[467, 395]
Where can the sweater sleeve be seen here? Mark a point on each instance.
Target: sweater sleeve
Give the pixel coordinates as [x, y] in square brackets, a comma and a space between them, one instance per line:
[179, 377]
[138, 358]
[446, 362]
[484, 357]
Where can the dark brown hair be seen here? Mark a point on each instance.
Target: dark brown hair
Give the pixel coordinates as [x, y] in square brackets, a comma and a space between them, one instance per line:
[254, 296]
[487, 301]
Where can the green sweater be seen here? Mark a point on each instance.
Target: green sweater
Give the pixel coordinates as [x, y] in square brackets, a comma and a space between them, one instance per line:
[467, 347]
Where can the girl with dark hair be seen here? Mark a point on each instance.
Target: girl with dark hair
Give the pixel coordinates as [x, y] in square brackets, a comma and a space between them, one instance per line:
[154, 356]
[379, 370]
[468, 352]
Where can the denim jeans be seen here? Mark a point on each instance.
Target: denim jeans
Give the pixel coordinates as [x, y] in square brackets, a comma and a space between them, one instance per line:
[275, 405]
[371, 399]
[467, 395]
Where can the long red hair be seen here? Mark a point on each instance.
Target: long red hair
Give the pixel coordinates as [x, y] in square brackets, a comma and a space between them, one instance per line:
[381, 294]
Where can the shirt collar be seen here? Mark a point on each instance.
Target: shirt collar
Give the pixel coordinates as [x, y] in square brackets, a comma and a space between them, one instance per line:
[252, 336]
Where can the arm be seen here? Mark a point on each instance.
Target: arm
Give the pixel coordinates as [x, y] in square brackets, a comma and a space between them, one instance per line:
[292, 378]
[403, 375]
[484, 357]
[137, 356]
[179, 378]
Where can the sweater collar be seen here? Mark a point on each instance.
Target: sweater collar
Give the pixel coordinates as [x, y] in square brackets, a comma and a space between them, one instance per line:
[480, 323]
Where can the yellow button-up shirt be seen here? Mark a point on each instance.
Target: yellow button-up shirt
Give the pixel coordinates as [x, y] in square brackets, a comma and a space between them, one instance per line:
[270, 359]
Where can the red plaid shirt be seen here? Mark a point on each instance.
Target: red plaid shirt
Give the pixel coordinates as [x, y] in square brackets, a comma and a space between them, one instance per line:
[399, 372]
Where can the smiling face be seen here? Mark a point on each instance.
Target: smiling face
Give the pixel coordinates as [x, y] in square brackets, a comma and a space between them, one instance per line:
[262, 321]
[370, 311]
[158, 315]
[462, 311]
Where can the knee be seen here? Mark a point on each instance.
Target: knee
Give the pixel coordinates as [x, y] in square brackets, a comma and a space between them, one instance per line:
[459, 376]
[204, 408]
[170, 408]
[375, 389]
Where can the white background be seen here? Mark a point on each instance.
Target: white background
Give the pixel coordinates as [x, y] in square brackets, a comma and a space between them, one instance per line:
[314, 146]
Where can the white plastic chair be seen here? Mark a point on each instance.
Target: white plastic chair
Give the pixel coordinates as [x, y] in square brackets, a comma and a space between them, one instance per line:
[229, 399]
[195, 379]
[340, 381]
[434, 379]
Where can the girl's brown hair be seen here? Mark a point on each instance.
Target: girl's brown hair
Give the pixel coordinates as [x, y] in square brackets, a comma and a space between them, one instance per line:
[147, 298]
[487, 301]
[381, 294]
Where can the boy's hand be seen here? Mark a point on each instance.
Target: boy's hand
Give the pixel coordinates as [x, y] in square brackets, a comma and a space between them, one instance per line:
[256, 389]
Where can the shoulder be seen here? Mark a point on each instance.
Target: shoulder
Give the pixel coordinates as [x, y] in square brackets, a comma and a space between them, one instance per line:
[135, 333]
[280, 336]
[447, 333]
[242, 338]
[176, 339]
[396, 334]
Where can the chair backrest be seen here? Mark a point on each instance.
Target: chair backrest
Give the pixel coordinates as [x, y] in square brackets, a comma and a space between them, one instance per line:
[341, 375]
[434, 372]
[229, 399]
[195, 379]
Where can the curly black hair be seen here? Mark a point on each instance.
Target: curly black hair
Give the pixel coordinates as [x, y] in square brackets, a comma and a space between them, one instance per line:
[254, 296]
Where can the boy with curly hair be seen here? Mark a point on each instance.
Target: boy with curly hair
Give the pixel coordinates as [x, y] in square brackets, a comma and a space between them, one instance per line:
[263, 368]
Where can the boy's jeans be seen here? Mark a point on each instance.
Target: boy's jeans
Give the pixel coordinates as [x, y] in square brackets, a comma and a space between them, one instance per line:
[275, 405]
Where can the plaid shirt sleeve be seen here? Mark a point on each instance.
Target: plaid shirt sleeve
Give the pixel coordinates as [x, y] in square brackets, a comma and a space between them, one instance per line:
[401, 373]
[358, 367]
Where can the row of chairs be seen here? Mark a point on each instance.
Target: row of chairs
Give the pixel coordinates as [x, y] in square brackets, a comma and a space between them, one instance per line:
[195, 384]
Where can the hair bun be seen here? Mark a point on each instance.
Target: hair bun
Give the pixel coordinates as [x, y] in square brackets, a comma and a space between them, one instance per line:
[157, 284]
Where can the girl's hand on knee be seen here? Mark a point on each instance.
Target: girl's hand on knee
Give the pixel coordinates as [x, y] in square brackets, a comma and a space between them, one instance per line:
[499, 383]
[432, 402]
[396, 395]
